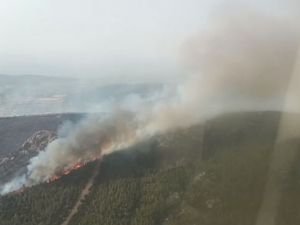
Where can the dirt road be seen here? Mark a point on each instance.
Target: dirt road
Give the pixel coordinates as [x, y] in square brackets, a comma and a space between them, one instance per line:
[85, 191]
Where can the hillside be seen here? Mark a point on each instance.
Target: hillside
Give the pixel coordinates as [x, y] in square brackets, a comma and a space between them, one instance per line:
[212, 174]
[15, 130]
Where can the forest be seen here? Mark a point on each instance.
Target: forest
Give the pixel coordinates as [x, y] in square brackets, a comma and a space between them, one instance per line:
[212, 174]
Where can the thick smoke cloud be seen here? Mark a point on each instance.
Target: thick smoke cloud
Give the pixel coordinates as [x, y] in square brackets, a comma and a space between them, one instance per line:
[243, 62]
[79, 143]
[90, 139]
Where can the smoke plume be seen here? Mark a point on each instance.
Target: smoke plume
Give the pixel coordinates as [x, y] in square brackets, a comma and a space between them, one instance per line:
[85, 141]
[243, 62]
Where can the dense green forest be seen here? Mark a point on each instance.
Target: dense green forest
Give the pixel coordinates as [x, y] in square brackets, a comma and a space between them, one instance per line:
[212, 174]
[45, 204]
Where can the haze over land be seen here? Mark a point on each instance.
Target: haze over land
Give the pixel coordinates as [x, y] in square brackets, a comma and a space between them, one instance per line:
[232, 105]
[243, 62]
[34, 95]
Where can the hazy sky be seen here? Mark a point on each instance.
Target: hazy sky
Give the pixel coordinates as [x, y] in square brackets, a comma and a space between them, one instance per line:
[96, 37]
[90, 37]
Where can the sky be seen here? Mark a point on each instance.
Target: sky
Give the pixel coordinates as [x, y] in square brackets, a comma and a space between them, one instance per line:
[93, 37]
[98, 38]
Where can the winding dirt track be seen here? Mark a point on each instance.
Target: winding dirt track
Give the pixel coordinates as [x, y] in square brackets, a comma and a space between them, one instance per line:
[85, 191]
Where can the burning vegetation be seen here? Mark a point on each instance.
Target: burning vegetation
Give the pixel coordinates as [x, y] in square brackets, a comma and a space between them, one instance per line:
[69, 170]
[253, 73]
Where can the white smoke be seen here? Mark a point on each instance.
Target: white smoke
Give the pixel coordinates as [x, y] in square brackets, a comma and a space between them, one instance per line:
[85, 141]
[242, 63]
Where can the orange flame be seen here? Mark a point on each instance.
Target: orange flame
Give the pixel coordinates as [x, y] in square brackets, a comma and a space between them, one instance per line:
[68, 170]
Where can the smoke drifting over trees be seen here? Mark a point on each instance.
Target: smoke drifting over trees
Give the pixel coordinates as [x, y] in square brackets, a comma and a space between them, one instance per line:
[243, 62]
